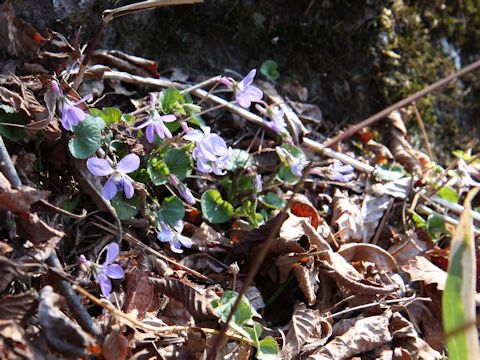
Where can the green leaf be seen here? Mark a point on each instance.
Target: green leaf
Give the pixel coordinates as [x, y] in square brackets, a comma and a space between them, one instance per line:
[9, 115]
[214, 208]
[285, 174]
[179, 163]
[458, 301]
[268, 349]
[158, 170]
[172, 210]
[126, 208]
[224, 306]
[269, 69]
[111, 115]
[448, 194]
[272, 200]
[436, 226]
[240, 159]
[388, 172]
[244, 183]
[87, 137]
[418, 220]
[171, 100]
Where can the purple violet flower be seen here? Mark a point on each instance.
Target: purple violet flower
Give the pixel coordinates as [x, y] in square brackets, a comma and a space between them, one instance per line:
[211, 151]
[108, 270]
[277, 124]
[257, 184]
[245, 92]
[335, 172]
[71, 114]
[466, 173]
[296, 164]
[174, 236]
[118, 180]
[184, 191]
[155, 123]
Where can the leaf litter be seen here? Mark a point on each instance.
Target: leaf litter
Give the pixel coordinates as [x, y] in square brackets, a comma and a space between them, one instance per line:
[158, 217]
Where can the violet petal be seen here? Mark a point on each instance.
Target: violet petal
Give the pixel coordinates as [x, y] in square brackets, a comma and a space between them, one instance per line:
[110, 189]
[129, 163]
[114, 271]
[99, 167]
[112, 253]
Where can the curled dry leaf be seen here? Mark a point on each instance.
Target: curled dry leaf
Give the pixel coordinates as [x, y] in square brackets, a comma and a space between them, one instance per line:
[365, 335]
[307, 277]
[302, 207]
[18, 200]
[413, 160]
[195, 301]
[421, 269]
[372, 212]
[347, 218]
[32, 228]
[306, 328]
[61, 333]
[13, 341]
[371, 253]
[341, 271]
[382, 153]
[205, 237]
[15, 307]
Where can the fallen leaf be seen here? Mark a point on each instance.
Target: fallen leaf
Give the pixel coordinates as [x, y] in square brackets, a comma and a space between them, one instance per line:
[302, 207]
[366, 334]
[307, 327]
[14, 307]
[421, 269]
[8, 272]
[347, 218]
[18, 200]
[372, 211]
[115, 346]
[61, 333]
[195, 301]
[307, 277]
[141, 295]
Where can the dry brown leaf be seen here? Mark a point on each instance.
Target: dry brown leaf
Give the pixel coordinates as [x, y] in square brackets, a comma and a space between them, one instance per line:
[18, 200]
[141, 295]
[421, 269]
[13, 341]
[371, 253]
[347, 218]
[18, 37]
[307, 277]
[407, 338]
[8, 272]
[365, 335]
[204, 263]
[32, 228]
[381, 151]
[14, 307]
[206, 237]
[372, 211]
[115, 346]
[62, 334]
[195, 301]
[307, 327]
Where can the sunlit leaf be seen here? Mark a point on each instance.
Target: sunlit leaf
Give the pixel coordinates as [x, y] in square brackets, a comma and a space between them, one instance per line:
[214, 208]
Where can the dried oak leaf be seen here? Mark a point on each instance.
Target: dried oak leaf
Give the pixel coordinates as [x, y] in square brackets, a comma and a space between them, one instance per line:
[15, 307]
[18, 200]
[13, 341]
[347, 217]
[365, 335]
[307, 277]
[372, 211]
[194, 300]
[32, 228]
[61, 333]
[141, 295]
[307, 327]
[421, 269]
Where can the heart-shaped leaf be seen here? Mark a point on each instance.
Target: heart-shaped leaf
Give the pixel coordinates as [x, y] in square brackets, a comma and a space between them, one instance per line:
[171, 211]
[87, 137]
[126, 208]
[214, 208]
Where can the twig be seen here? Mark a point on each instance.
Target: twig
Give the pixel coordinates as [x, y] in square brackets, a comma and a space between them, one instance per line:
[156, 329]
[385, 302]
[76, 307]
[402, 103]
[422, 131]
[133, 240]
[64, 212]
